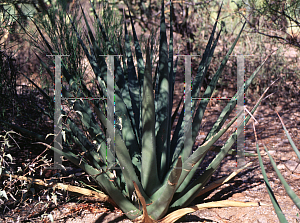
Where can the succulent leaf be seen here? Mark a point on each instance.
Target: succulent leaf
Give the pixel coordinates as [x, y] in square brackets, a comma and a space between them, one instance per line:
[148, 160]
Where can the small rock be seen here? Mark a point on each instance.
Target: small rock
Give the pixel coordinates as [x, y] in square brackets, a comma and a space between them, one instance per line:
[281, 167]
[293, 166]
[272, 152]
[283, 158]
[294, 176]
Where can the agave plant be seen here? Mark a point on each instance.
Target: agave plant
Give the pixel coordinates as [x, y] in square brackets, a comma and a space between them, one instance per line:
[287, 188]
[151, 167]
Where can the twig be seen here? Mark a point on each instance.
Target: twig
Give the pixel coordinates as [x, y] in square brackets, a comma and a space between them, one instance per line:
[87, 194]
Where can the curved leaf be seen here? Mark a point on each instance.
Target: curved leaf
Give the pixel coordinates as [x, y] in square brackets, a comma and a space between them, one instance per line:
[276, 206]
[287, 188]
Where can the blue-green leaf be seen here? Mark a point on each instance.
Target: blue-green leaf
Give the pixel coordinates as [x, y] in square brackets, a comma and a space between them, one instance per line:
[134, 88]
[287, 188]
[149, 173]
[276, 206]
[162, 105]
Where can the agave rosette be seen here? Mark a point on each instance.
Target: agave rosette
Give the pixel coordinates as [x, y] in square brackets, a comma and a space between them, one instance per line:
[151, 167]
